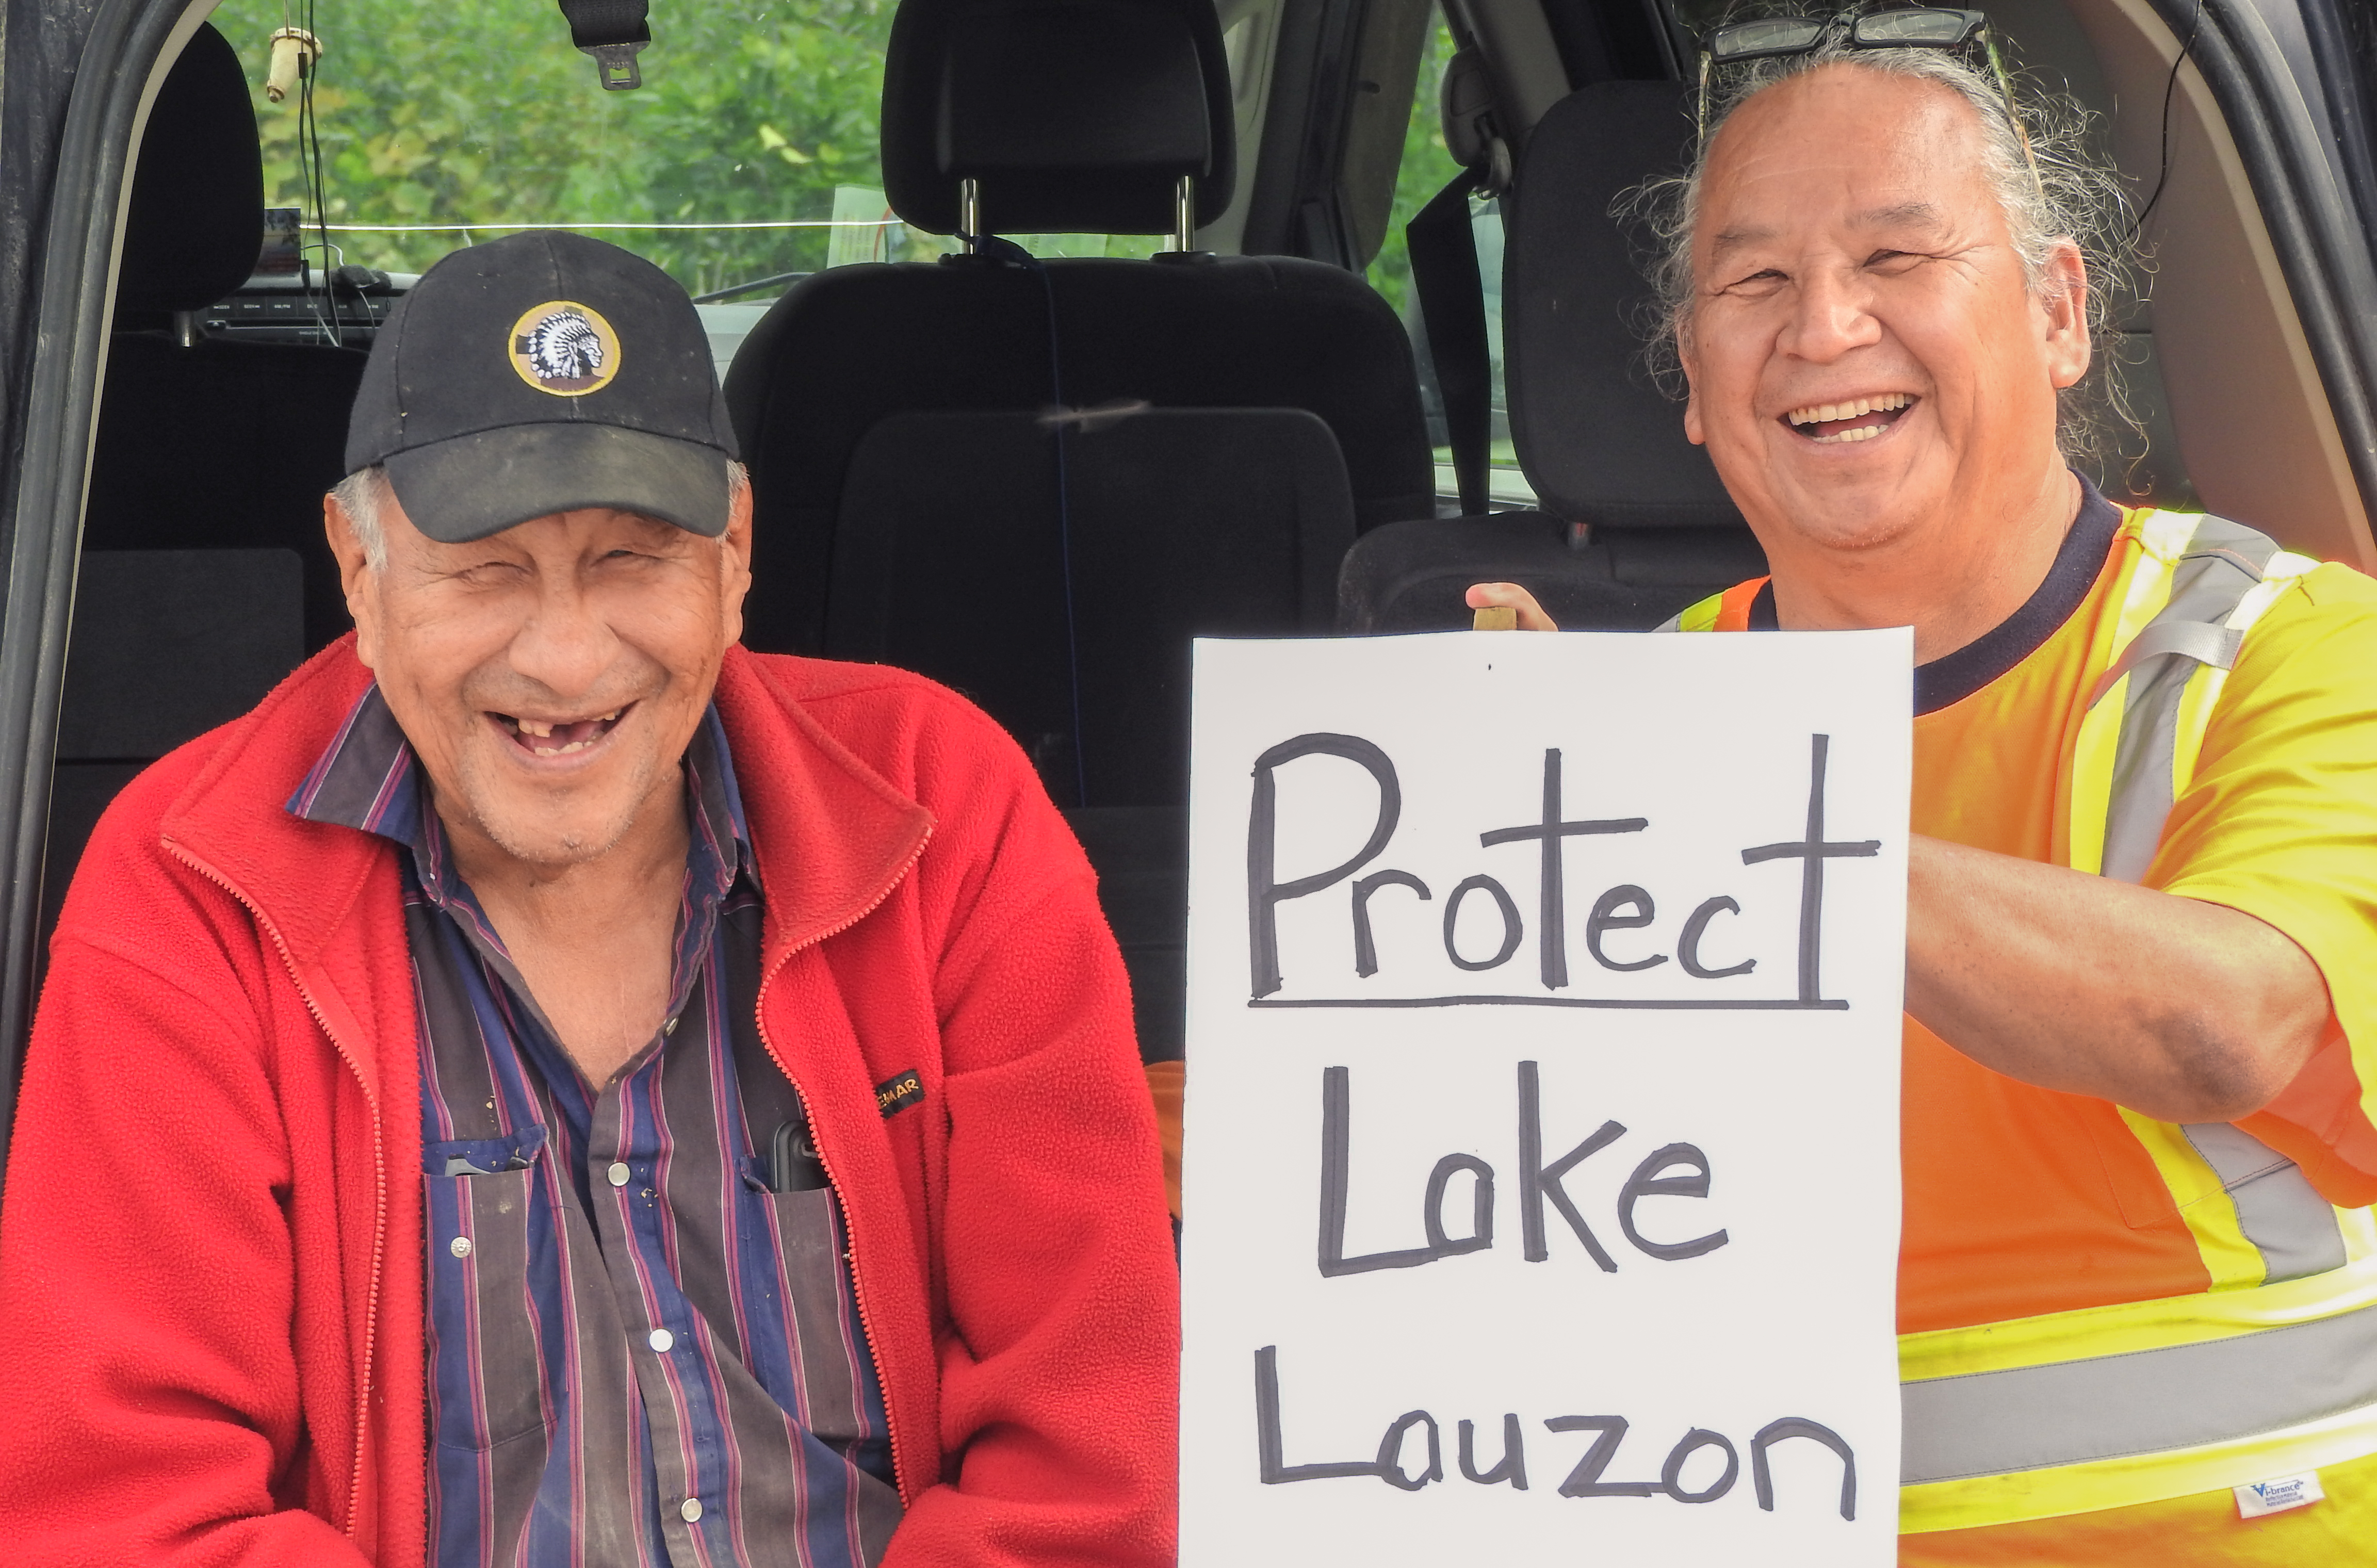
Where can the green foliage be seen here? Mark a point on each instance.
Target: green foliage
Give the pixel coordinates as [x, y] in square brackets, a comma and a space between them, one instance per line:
[1426, 168]
[483, 114]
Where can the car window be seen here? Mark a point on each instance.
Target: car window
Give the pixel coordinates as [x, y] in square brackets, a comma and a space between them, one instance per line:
[1427, 167]
[748, 158]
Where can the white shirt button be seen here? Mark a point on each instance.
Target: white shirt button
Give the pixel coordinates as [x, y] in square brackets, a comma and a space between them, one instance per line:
[459, 1246]
[619, 1173]
[690, 1510]
[662, 1340]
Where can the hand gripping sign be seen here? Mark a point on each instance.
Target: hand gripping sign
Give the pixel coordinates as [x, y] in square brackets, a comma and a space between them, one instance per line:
[1542, 1167]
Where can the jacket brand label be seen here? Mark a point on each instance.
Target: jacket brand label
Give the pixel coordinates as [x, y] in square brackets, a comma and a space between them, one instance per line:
[2276, 1497]
[898, 1092]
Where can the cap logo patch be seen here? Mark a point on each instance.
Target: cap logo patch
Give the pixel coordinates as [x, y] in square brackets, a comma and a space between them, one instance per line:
[566, 349]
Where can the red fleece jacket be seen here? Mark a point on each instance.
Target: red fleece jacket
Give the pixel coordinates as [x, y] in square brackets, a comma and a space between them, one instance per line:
[210, 1308]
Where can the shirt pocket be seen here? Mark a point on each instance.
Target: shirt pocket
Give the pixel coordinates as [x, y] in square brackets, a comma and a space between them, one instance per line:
[2139, 1190]
[491, 1247]
[821, 1316]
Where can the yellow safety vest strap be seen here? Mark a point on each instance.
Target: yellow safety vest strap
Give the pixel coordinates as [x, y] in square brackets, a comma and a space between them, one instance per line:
[2137, 1479]
[2253, 1216]
[1698, 617]
[2278, 1212]
[2139, 1401]
[2200, 640]
[2192, 634]
[2063, 1413]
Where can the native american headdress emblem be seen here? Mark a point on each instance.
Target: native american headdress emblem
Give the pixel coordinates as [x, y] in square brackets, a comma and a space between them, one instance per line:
[566, 349]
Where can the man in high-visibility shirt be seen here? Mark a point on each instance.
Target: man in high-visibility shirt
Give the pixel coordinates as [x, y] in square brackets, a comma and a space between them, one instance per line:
[2138, 1290]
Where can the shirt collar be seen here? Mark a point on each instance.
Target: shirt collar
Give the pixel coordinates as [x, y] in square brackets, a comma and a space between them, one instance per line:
[369, 779]
[2079, 560]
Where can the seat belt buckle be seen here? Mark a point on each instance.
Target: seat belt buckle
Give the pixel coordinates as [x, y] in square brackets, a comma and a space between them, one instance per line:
[616, 63]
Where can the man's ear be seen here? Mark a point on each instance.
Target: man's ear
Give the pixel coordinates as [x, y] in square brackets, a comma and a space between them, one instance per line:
[735, 547]
[356, 578]
[2063, 300]
[1694, 431]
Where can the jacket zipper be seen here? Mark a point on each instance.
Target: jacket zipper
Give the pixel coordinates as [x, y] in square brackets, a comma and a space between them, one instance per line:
[379, 1169]
[857, 1285]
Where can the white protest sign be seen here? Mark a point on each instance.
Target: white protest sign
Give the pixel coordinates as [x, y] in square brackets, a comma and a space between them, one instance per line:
[1542, 1167]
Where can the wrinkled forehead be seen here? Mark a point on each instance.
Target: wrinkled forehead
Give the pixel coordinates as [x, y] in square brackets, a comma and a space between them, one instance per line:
[1842, 150]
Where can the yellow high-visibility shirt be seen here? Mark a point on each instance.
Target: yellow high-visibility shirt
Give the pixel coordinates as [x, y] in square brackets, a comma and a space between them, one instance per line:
[2022, 1201]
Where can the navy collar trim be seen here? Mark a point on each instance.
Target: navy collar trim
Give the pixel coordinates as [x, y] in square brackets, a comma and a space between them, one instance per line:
[1946, 681]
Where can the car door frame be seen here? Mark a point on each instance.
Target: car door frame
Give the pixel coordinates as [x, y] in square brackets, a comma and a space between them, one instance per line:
[2326, 244]
[55, 366]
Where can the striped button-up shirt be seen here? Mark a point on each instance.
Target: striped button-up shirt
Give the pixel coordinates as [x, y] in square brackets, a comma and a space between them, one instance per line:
[643, 1342]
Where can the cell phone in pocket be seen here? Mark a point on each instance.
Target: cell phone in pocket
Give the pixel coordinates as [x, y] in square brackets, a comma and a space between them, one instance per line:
[792, 1163]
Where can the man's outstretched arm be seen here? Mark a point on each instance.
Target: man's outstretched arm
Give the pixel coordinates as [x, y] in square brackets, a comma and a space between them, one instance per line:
[2183, 1009]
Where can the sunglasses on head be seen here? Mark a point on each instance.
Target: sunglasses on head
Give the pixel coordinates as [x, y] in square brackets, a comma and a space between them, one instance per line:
[1924, 27]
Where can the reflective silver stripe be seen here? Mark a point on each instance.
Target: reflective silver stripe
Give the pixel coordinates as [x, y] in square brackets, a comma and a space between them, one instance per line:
[2281, 1214]
[2145, 1402]
[2202, 641]
[2222, 564]
[2141, 795]
[1673, 623]
[2293, 1228]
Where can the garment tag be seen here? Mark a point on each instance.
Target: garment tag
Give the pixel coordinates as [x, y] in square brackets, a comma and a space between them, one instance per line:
[898, 1092]
[2276, 1497]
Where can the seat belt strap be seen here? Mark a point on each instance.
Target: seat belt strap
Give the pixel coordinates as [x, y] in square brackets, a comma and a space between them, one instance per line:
[1443, 250]
[614, 32]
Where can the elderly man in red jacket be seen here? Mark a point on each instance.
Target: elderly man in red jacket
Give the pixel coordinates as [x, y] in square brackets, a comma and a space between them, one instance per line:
[552, 1087]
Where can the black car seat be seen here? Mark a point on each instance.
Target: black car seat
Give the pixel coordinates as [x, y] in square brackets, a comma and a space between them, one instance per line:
[947, 470]
[214, 442]
[205, 577]
[1633, 524]
[851, 346]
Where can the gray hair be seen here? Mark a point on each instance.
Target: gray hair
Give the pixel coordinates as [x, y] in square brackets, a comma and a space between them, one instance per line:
[2074, 196]
[360, 493]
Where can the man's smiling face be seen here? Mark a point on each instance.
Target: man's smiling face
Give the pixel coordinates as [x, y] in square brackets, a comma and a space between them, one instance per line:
[549, 677]
[1864, 349]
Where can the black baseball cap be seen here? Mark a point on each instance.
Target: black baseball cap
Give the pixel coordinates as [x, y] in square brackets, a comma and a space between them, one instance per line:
[540, 373]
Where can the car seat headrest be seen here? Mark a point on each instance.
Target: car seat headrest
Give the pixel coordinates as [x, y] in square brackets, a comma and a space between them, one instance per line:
[196, 217]
[1073, 117]
[1599, 439]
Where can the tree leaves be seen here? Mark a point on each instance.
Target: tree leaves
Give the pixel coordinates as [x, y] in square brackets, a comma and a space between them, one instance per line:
[483, 114]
